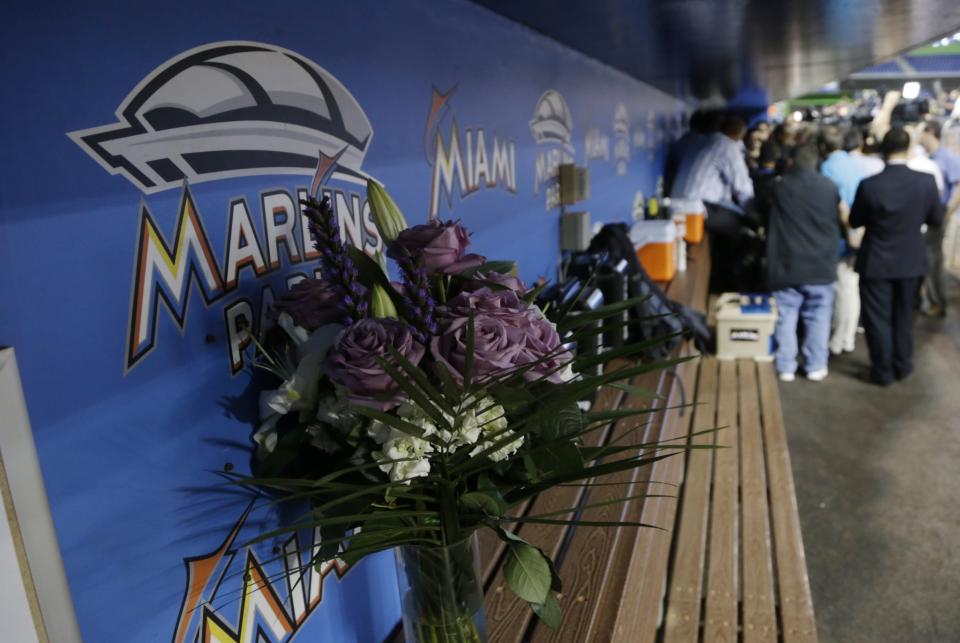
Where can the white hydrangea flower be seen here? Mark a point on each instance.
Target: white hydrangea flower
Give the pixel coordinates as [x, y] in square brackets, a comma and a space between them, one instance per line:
[415, 415]
[508, 448]
[378, 431]
[492, 418]
[492, 422]
[466, 428]
[413, 451]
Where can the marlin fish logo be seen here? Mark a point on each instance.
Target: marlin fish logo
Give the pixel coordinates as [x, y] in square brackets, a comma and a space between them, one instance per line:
[270, 609]
[231, 109]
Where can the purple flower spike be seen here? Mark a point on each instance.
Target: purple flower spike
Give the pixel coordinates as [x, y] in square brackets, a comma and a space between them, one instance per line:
[335, 264]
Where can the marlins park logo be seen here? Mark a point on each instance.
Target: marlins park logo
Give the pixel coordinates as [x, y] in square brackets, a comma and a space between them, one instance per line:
[552, 129]
[227, 110]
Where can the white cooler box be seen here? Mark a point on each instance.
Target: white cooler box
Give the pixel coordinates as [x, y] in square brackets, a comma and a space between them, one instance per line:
[745, 324]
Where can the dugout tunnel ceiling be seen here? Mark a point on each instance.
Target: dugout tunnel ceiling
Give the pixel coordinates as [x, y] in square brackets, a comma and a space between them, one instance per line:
[742, 51]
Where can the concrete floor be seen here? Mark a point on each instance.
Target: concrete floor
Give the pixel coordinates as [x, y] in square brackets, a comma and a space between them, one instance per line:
[877, 474]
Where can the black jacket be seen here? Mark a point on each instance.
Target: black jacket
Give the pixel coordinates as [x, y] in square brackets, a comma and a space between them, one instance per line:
[893, 205]
[803, 237]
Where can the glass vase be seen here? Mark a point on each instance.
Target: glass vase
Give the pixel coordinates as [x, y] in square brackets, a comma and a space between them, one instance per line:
[441, 593]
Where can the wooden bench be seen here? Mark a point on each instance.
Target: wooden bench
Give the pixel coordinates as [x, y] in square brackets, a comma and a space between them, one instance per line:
[728, 557]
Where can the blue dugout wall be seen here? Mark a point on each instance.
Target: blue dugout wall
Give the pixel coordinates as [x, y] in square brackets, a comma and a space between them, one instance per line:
[153, 158]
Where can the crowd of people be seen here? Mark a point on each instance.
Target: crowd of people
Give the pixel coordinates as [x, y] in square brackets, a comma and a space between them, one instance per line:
[843, 234]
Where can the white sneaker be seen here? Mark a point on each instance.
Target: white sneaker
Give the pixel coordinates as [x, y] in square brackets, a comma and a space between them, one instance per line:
[786, 377]
[818, 375]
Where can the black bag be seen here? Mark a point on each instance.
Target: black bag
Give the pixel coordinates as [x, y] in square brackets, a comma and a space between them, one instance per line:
[655, 316]
[737, 251]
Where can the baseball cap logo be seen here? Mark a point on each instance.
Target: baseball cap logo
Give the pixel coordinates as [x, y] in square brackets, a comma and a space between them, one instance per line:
[231, 109]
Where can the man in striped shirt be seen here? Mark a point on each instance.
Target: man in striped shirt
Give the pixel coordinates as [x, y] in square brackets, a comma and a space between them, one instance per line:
[717, 173]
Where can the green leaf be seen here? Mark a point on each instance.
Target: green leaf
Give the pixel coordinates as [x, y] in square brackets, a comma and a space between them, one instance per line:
[511, 398]
[548, 611]
[479, 502]
[531, 295]
[487, 486]
[450, 388]
[560, 423]
[378, 537]
[468, 353]
[571, 321]
[414, 391]
[527, 572]
[386, 215]
[371, 273]
[521, 493]
[503, 267]
[419, 376]
[595, 505]
[636, 391]
[369, 270]
[584, 523]
[585, 362]
[288, 448]
[390, 420]
[557, 457]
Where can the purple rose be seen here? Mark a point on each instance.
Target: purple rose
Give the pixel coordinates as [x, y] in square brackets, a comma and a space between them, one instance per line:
[542, 340]
[352, 360]
[508, 333]
[440, 247]
[311, 303]
[496, 346]
[500, 303]
[507, 281]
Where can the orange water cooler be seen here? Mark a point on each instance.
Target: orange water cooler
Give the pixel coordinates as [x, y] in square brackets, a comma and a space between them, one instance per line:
[655, 243]
[695, 214]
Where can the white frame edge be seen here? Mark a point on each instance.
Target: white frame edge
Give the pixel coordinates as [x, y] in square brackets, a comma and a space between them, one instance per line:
[39, 538]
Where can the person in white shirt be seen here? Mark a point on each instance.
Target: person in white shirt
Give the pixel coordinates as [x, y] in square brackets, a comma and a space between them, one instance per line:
[920, 162]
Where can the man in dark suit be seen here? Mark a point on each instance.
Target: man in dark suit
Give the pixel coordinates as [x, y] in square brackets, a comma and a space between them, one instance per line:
[893, 206]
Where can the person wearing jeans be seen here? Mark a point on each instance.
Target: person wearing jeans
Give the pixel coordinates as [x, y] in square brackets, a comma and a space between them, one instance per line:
[804, 231]
[813, 304]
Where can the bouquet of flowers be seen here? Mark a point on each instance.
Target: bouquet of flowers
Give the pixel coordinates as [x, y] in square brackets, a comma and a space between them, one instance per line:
[411, 413]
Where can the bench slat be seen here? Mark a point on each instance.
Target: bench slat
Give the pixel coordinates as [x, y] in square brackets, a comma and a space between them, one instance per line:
[491, 547]
[686, 579]
[759, 617]
[721, 619]
[796, 604]
[508, 616]
[586, 565]
[633, 613]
